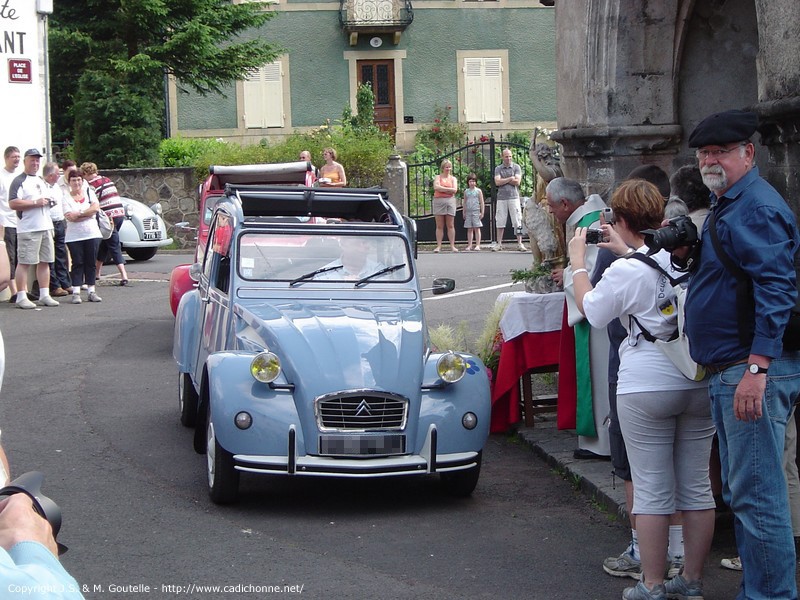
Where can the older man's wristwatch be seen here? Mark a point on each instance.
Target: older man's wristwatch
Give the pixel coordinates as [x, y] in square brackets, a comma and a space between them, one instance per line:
[755, 369]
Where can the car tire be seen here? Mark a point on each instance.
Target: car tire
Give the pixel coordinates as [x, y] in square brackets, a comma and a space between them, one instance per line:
[462, 483]
[141, 253]
[187, 400]
[223, 478]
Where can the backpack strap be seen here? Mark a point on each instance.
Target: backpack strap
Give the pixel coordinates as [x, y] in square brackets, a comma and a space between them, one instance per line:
[673, 281]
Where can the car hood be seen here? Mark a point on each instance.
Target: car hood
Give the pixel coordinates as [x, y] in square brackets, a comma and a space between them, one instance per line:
[326, 349]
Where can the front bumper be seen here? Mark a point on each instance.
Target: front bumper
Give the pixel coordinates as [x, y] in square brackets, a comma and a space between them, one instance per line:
[426, 462]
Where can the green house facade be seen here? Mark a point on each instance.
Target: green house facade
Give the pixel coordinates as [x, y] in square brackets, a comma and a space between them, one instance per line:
[491, 62]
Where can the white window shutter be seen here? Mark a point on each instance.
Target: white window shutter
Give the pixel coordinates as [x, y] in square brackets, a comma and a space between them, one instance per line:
[473, 90]
[263, 97]
[273, 95]
[492, 90]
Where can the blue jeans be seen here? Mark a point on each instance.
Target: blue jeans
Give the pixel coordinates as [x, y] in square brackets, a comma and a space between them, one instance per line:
[753, 482]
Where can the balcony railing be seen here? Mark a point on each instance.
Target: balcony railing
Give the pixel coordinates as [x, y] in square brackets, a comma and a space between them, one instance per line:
[375, 17]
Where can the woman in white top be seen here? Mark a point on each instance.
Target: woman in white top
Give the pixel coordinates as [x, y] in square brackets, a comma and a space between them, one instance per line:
[665, 418]
[83, 235]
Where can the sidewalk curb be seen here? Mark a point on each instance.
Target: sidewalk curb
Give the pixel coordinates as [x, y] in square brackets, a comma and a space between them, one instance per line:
[593, 477]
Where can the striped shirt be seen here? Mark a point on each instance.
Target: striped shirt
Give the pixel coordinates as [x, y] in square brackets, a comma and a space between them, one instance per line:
[108, 196]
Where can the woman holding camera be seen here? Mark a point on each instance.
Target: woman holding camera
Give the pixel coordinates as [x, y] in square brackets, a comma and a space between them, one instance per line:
[665, 418]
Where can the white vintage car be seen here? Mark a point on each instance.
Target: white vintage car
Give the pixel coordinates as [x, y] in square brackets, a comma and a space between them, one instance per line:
[143, 232]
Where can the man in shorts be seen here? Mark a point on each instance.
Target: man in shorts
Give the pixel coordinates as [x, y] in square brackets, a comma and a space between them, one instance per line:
[8, 217]
[28, 196]
[507, 177]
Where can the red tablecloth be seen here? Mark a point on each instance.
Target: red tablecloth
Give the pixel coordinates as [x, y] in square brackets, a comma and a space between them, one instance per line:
[527, 351]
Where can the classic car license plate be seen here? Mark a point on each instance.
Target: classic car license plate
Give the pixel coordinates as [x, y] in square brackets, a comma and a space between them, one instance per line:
[362, 445]
[152, 235]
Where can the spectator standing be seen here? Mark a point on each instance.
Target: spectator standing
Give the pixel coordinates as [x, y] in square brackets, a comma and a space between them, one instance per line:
[108, 197]
[331, 174]
[687, 184]
[587, 382]
[8, 217]
[754, 382]
[665, 418]
[59, 273]
[82, 236]
[445, 186]
[311, 173]
[473, 211]
[28, 196]
[507, 178]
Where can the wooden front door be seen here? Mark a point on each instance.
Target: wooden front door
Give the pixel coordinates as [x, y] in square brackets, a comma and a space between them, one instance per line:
[380, 75]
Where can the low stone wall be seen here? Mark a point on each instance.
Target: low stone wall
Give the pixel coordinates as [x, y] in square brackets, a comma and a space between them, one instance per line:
[174, 188]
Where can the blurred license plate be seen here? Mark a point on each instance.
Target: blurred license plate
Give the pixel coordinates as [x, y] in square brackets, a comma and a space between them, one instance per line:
[362, 445]
[152, 235]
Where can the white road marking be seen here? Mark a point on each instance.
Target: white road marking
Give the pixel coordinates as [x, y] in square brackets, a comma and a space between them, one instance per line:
[468, 292]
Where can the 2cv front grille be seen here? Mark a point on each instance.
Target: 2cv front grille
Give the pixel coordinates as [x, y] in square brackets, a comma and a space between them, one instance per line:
[361, 411]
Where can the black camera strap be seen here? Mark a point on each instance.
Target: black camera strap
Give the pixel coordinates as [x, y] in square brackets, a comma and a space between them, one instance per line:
[745, 298]
[651, 262]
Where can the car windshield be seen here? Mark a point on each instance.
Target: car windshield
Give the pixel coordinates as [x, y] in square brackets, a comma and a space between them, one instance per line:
[360, 258]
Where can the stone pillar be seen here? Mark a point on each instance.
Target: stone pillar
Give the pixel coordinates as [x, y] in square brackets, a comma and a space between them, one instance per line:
[395, 181]
[779, 94]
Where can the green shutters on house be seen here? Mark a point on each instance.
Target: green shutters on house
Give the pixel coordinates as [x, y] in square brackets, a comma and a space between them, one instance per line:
[483, 90]
[263, 97]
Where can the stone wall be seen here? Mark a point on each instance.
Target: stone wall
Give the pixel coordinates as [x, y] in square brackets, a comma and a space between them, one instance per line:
[174, 188]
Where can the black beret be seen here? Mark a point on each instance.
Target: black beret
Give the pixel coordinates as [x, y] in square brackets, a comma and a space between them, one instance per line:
[724, 128]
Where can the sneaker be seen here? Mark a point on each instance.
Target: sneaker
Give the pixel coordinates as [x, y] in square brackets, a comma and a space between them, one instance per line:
[47, 301]
[640, 592]
[623, 565]
[497, 247]
[76, 299]
[674, 566]
[25, 303]
[678, 587]
[522, 248]
[93, 297]
[734, 564]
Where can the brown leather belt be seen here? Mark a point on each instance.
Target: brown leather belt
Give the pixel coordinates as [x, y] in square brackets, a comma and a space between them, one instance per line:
[714, 369]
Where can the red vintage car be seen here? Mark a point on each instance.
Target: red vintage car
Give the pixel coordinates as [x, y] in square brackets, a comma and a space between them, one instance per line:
[213, 188]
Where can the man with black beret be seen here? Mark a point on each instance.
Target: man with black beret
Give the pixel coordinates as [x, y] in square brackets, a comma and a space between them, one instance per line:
[753, 381]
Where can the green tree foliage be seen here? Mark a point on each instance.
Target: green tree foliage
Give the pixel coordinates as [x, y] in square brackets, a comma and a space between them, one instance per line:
[134, 44]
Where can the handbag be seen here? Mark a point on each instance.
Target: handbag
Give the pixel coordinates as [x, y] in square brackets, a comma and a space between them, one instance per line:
[676, 348]
[105, 224]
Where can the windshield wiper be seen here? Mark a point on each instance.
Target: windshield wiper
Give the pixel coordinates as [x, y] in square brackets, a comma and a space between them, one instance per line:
[313, 274]
[383, 271]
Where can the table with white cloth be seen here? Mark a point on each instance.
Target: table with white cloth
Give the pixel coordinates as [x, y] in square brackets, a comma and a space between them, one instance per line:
[531, 328]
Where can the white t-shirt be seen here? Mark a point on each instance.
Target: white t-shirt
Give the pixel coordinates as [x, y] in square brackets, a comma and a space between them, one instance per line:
[86, 229]
[31, 187]
[630, 287]
[8, 217]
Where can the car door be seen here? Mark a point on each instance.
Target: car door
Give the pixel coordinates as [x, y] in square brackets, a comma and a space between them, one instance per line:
[214, 288]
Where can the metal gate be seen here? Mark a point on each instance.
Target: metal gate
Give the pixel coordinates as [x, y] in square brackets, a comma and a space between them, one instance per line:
[479, 156]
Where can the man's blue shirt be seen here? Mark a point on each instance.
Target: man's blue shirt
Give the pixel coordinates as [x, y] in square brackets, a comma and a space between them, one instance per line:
[758, 230]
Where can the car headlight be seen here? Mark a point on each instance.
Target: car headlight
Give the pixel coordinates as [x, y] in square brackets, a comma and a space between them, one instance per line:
[451, 367]
[128, 211]
[156, 208]
[265, 367]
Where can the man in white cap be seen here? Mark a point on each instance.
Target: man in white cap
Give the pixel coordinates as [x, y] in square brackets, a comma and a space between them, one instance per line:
[28, 196]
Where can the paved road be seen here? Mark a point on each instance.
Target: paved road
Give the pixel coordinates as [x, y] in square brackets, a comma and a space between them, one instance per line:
[90, 399]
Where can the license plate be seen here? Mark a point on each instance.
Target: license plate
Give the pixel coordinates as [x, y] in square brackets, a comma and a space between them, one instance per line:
[362, 445]
[152, 235]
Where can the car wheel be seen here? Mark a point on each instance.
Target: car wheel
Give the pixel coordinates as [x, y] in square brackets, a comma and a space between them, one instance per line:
[187, 400]
[462, 483]
[223, 478]
[141, 253]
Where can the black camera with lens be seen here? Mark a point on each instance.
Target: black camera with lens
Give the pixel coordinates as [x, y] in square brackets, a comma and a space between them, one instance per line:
[30, 484]
[679, 231]
[595, 236]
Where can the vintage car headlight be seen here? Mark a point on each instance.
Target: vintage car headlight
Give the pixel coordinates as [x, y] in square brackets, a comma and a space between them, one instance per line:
[156, 208]
[128, 211]
[451, 367]
[265, 367]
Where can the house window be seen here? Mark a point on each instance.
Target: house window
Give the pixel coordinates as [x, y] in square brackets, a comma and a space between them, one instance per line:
[483, 89]
[263, 97]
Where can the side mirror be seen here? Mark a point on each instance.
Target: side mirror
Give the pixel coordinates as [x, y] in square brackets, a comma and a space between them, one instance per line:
[194, 272]
[184, 226]
[443, 285]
